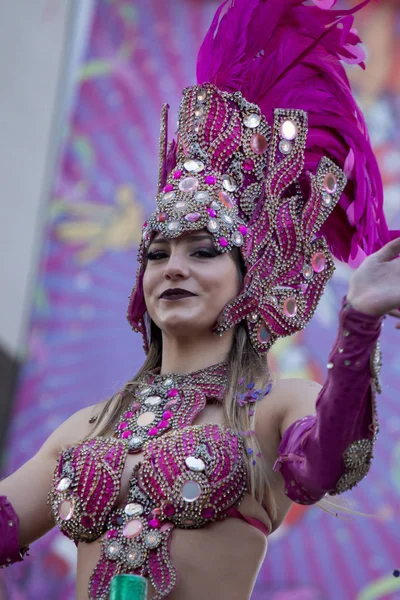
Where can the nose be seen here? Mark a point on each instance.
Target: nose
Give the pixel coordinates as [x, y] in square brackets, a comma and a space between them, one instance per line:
[176, 267]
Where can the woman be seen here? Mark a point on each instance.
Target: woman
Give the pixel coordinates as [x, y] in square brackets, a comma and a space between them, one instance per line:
[182, 476]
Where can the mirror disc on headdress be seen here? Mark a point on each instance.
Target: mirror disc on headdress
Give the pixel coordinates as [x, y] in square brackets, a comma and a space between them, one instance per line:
[146, 419]
[258, 143]
[252, 120]
[288, 130]
[191, 491]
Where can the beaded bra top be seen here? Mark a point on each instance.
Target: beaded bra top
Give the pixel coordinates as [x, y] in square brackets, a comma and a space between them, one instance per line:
[189, 475]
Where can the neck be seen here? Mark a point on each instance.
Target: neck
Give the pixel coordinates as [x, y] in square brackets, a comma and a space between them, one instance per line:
[186, 355]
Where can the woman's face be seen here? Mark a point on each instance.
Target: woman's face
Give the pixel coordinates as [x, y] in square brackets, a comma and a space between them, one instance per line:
[208, 281]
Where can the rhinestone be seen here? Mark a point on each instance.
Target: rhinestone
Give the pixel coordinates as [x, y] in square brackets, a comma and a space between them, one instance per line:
[201, 95]
[169, 196]
[63, 484]
[173, 226]
[326, 199]
[189, 184]
[318, 262]
[152, 539]
[192, 217]
[195, 464]
[248, 164]
[263, 335]
[288, 130]
[225, 199]
[330, 183]
[308, 271]
[330, 365]
[181, 205]
[202, 197]
[146, 419]
[153, 401]
[135, 442]
[135, 556]
[133, 509]
[212, 226]
[258, 143]
[227, 219]
[168, 188]
[168, 382]
[252, 120]
[199, 112]
[194, 166]
[132, 529]
[145, 391]
[290, 307]
[113, 550]
[285, 146]
[191, 491]
[215, 205]
[253, 317]
[237, 239]
[162, 217]
[210, 180]
[66, 510]
[229, 183]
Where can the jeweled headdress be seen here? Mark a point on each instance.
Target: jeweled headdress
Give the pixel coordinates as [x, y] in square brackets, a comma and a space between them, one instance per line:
[272, 156]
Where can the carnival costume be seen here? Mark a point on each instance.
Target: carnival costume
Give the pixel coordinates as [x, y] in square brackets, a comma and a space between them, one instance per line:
[272, 156]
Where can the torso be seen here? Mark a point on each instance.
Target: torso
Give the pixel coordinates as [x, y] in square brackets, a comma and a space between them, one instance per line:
[229, 552]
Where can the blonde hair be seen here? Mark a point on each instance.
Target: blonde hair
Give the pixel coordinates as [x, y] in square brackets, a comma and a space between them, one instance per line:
[244, 367]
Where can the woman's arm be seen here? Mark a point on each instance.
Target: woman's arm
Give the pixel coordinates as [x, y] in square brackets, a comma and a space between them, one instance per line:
[23, 495]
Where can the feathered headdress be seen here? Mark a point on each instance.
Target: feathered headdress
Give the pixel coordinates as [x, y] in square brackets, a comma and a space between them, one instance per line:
[272, 156]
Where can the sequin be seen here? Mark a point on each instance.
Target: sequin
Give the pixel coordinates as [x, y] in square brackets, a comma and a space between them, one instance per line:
[258, 143]
[146, 419]
[288, 130]
[194, 166]
[290, 307]
[66, 510]
[64, 484]
[229, 183]
[189, 184]
[252, 120]
[191, 491]
[195, 464]
[330, 183]
[318, 262]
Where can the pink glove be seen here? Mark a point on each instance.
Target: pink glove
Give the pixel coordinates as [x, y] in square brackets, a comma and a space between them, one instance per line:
[332, 451]
[9, 544]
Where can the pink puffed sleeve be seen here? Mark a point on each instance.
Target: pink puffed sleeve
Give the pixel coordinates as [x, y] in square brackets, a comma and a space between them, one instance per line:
[330, 452]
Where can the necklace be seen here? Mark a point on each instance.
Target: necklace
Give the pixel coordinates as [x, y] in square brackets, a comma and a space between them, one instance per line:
[165, 402]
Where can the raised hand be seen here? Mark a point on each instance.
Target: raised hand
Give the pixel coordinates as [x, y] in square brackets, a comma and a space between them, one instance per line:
[374, 287]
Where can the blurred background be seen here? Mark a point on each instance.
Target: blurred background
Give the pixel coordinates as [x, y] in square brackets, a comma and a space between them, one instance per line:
[82, 86]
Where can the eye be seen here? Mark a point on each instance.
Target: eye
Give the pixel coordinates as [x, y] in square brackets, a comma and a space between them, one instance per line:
[156, 255]
[205, 252]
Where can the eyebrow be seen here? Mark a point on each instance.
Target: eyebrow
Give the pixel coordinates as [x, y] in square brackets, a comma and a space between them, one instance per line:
[191, 238]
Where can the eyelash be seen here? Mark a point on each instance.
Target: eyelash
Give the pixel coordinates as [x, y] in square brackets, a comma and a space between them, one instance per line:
[203, 252]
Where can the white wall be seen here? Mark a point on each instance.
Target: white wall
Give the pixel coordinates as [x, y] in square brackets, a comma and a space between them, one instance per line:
[40, 43]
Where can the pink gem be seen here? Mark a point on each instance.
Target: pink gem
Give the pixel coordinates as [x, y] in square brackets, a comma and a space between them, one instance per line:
[225, 199]
[169, 510]
[163, 425]
[152, 432]
[132, 529]
[126, 434]
[87, 521]
[330, 183]
[113, 533]
[177, 174]
[290, 307]
[154, 523]
[318, 262]
[211, 212]
[171, 403]
[258, 143]
[208, 513]
[123, 425]
[168, 188]
[144, 224]
[223, 241]
[156, 512]
[248, 164]
[168, 415]
[162, 217]
[192, 217]
[243, 229]
[211, 180]
[172, 393]
[66, 510]
[128, 415]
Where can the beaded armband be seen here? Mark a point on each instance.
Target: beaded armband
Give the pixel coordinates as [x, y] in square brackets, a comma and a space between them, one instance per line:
[10, 552]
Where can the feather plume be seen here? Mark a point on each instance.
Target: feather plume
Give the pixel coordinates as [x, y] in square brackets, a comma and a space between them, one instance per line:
[288, 54]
